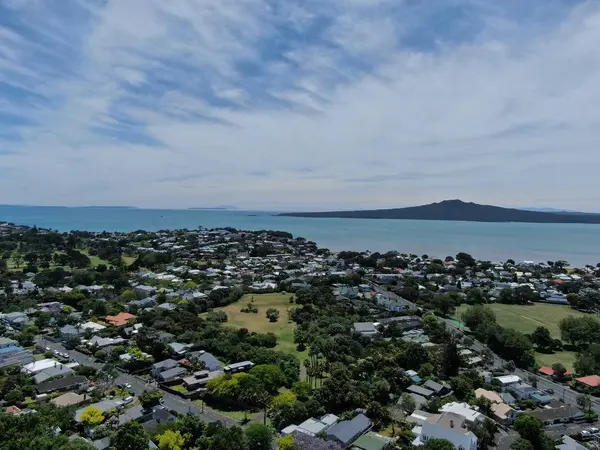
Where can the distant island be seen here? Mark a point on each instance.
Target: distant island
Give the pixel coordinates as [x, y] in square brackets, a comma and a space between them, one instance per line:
[214, 208]
[459, 211]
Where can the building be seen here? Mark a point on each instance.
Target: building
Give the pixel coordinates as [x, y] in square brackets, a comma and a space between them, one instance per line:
[503, 414]
[558, 412]
[243, 366]
[347, 431]
[490, 395]
[568, 443]
[589, 383]
[507, 381]
[448, 426]
[463, 410]
[370, 441]
[120, 319]
[423, 392]
[69, 399]
[312, 426]
[523, 391]
[366, 329]
[38, 366]
[163, 366]
[211, 363]
[75, 382]
[440, 390]
[57, 371]
[11, 353]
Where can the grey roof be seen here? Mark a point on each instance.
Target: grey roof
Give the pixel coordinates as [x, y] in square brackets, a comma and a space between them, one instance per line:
[211, 363]
[172, 373]
[133, 413]
[436, 387]
[103, 406]
[239, 365]
[51, 372]
[348, 430]
[165, 365]
[420, 390]
[178, 347]
[61, 383]
[364, 327]
[5, 342]
[102, 444]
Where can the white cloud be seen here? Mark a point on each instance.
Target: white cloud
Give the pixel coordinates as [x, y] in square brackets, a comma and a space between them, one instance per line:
[304, 105]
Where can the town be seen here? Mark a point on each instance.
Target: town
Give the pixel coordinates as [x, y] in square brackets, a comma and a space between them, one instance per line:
[224, 339]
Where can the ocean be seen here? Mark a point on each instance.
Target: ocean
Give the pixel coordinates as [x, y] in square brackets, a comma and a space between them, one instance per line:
[577, 243]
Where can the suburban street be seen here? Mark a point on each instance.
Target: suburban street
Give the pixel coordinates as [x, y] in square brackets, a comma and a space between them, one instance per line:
[138, 386]
[561, 392]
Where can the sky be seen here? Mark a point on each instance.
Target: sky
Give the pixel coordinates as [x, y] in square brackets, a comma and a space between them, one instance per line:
[300, 104]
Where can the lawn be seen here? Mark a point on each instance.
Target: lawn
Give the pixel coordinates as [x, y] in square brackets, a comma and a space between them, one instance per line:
[283, 328]
[526, 318]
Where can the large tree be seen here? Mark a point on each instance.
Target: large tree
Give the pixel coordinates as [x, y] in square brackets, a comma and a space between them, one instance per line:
[259, 436]
[130, 436]
[542, 339]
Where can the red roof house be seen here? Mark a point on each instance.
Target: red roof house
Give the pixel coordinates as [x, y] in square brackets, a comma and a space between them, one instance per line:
[120, 319]
[592, 381]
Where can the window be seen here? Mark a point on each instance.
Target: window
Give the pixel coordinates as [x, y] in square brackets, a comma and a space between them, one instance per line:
[460, 447]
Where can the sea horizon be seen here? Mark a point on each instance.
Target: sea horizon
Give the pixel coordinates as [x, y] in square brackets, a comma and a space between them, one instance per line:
[579, 244]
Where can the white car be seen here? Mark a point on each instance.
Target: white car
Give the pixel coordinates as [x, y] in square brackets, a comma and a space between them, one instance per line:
[128, 400]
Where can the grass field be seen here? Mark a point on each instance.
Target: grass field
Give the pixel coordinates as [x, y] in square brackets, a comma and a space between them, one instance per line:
[283, 328]
[526, 318]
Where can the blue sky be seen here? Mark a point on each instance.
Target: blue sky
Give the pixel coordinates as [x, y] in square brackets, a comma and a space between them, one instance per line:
[299, 104]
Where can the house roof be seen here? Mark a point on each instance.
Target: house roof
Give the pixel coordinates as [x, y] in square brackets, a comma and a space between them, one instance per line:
[348, 430]
[61, 383]
[68, 399]
[420, 390]
[490, 395]
[450, 420]
[370, 441]
[364, 327]
[546, 371]
[436, 387]
[211, 363]
[120, 319]
[172, 373]
[590, 380]
[556, 411]
[165, 364]
[501, 410]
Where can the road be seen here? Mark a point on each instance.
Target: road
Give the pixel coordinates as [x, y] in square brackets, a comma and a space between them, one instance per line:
[139, 385]
[561, 392]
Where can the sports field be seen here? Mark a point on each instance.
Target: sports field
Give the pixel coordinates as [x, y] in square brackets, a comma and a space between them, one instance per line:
[526, 318]
[283, 328]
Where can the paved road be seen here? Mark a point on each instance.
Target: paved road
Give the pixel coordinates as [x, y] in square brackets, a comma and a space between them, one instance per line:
[138, 385]
[561, 392]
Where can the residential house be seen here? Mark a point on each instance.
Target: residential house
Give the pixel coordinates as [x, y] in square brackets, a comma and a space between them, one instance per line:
[550, 372]
[38, 366]
[120, 320]
[210, 362]
[590, 383]
[103, 406]
[18, 320]
[100, 342]
[507, 381]
[75, 382]
[370, 441]
[70, 399]
[490, 395]
[57, 371]
[312, 426]
[165, 337]
[142, 289]
[11, 353]
[568, 443]
[463, 410]
[70, 331]
[141, 304]
[503, 414]
[366, 329]
[449, 426]
[162, 366]
[178, 349]
[242, 366]
[347, 431]
[523, 391]
[558, 412]
[440, 390]
[423, 392]
[414, 376]
[95, 327]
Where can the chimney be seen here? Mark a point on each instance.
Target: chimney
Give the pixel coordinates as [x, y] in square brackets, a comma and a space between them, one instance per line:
[452, 424]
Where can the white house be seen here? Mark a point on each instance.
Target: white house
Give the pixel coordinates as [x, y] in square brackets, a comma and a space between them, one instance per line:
[507, 381]
[448, 426]
[464, 410]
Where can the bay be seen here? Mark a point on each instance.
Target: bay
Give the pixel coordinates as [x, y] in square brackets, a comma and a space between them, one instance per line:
[577, 243]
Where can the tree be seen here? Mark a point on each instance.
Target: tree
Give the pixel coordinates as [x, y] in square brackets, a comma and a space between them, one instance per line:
[451, 361]
[438, 444]
[532, 429]
[559, 369]
[485, 432]
[272, 314]
[128, 295]
[271, 376]
[229, 439]
[286, 442]
[130, 436]
[302, 389]
[584, 401]
[522, 444]
[92, 416]
[191, 428]
[259, 436]
[149, 399]
[542, 338]
[170, 440]
[407, 403]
